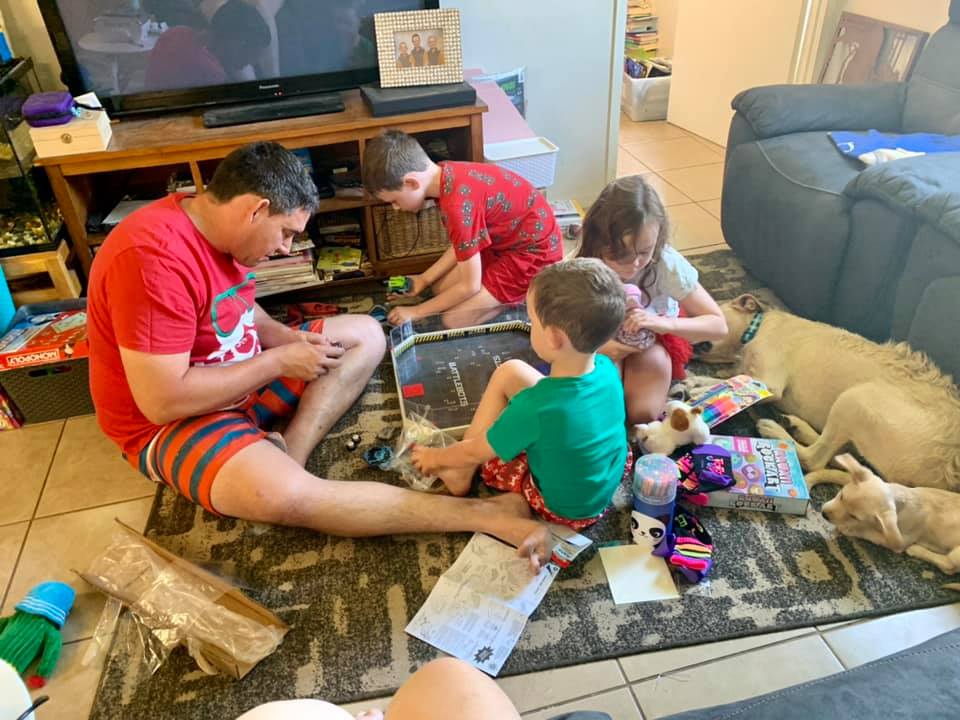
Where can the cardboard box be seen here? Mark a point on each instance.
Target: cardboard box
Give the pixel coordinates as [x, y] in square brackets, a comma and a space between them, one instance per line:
[767, 477]
[90, 132]
[132, 580]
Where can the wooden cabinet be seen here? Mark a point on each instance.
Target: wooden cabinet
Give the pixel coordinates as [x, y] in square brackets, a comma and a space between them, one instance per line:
[144, 151]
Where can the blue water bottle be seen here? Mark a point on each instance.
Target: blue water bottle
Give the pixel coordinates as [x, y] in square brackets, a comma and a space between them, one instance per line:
[654, 494]
[6, 305]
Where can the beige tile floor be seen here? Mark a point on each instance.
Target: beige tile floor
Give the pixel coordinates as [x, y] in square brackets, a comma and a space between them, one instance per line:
[63, 484]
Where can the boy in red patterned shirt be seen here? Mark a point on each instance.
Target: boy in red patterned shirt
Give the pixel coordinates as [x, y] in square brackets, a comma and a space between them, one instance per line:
[502, 231]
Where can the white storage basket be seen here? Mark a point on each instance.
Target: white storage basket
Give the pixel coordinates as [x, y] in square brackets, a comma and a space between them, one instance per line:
[645, 98]
[532, 158]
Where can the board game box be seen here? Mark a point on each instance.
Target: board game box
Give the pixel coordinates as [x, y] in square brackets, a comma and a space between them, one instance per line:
[767, 477]
[441, 372]
[46, 337]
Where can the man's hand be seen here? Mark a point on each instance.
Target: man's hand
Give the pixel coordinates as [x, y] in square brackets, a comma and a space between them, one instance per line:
[417, 286]
[307, 360]
[402, 313]
[314, 338]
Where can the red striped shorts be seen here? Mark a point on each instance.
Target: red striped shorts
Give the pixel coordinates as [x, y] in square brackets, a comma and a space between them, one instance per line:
[515, 476]
[187, 454]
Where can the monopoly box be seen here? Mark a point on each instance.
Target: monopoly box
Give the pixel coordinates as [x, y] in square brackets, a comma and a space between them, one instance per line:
[43, 361]
[767, 477]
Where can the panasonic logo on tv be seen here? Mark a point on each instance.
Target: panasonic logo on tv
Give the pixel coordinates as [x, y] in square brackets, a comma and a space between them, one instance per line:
[275, 86]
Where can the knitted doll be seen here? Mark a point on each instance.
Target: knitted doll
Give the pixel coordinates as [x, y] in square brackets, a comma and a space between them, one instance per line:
[34, 630]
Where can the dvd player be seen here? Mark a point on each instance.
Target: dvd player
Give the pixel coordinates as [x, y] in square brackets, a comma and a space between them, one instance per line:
[278, 109]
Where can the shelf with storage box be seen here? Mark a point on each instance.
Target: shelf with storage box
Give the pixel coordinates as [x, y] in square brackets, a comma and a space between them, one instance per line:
[144, 154]
[33, 253]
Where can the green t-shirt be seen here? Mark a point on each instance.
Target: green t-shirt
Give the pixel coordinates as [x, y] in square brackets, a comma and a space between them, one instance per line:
[573, 431]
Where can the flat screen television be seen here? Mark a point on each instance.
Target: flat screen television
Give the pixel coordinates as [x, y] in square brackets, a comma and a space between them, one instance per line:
[150, 56]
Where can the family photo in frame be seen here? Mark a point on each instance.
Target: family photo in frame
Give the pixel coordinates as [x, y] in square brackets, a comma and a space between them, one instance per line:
[419, 48]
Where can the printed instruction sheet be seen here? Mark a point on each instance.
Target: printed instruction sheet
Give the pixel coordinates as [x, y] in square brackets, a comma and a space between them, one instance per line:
[480, 606]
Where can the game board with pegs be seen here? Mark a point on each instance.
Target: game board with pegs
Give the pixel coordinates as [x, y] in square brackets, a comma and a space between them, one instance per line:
[441, 373]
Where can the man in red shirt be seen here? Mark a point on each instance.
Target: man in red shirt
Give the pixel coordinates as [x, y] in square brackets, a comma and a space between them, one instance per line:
[186, 368]
[502, 230]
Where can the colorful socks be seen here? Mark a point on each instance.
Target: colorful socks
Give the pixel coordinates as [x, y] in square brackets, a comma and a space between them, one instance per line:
[692, 552]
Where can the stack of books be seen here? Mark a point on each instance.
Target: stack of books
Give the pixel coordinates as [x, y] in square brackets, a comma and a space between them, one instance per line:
[335, 262]
[287, 272]
[338, 229]
[641, 35]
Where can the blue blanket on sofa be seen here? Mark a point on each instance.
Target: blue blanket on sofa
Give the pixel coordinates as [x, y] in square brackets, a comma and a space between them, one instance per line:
[873, 146]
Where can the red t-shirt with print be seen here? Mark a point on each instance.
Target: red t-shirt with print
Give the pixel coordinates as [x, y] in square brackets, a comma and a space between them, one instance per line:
[157, 286]
[492, 211]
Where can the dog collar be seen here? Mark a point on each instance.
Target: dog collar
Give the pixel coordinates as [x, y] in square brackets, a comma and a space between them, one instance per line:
[751, 332]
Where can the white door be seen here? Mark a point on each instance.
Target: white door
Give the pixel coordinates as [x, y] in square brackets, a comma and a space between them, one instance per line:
[724, 47]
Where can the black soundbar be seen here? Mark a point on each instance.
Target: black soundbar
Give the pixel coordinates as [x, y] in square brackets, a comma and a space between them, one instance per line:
[273, 110]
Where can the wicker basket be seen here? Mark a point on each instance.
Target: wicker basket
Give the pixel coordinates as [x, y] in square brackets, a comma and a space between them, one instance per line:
[402, 234]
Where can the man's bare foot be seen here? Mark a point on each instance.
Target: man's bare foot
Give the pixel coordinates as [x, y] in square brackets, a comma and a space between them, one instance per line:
[457, 480]
[510, 503]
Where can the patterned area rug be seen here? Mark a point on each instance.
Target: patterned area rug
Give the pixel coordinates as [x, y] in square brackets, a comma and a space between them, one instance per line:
[348, 601]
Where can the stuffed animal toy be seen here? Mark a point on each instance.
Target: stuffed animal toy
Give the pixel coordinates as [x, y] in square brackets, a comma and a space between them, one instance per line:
[682, 425]
[34, 630]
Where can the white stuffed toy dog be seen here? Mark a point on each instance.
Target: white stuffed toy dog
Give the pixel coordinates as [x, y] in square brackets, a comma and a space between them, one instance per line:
[683, 425]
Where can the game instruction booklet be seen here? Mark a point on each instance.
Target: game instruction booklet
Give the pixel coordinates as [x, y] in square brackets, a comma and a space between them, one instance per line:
[480, 606]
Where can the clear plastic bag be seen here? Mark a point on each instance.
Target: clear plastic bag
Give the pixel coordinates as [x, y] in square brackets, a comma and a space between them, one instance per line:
[172, 604]
[417, 430]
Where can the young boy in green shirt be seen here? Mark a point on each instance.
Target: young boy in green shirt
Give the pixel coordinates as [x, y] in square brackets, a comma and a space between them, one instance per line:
[559, 440]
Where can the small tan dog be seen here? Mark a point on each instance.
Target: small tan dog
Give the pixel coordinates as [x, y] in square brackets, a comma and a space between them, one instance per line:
[923, 522]
[837, 388]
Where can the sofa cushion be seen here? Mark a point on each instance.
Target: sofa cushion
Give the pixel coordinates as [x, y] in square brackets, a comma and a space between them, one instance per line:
[927, 298]
[933, 92]
[926, 188]
[774, 110]
[810, 159]
[785, 215]
[934, 329]
[880, 239]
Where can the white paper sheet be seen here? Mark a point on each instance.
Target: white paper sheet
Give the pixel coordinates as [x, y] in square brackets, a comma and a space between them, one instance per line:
[479, 607]
[635, 575]
[123, 209]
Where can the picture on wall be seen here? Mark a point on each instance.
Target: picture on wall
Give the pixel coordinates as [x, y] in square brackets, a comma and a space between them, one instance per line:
[419, 47]
[867, 50]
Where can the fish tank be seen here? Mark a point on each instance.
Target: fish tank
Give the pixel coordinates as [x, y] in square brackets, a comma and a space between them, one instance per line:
[30, 220]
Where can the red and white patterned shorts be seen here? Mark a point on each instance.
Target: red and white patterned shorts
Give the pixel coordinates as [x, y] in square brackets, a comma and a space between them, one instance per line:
[515, 476]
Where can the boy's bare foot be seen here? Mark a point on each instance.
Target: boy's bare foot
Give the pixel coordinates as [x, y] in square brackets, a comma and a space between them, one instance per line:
[536, 547]
[457, 480]
[512, 522]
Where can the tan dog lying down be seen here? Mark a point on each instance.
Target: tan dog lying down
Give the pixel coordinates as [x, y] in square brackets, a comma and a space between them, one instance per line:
[839, 389]
[923, 522]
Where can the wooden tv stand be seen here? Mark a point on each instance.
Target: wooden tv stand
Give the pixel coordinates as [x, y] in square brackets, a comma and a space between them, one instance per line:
[145, 151]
